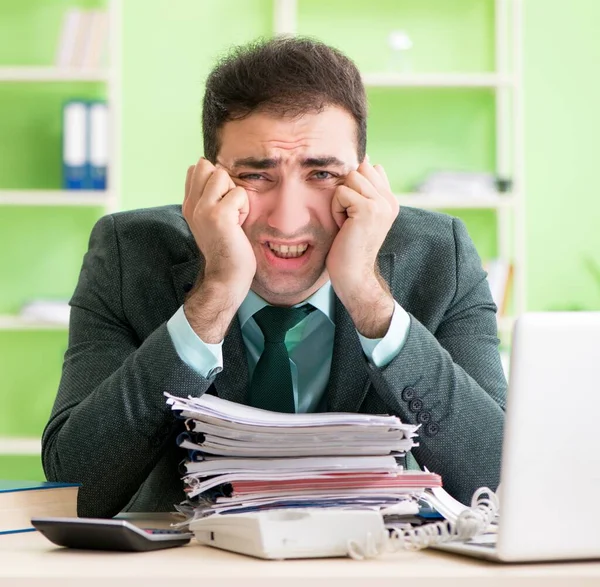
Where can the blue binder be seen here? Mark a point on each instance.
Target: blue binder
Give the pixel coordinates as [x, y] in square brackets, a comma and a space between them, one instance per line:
[75, 145]
[98, 145]
[85, 145]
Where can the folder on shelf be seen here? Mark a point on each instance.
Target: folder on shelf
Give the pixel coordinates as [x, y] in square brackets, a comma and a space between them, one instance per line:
[68, 38]
[98, 145]
[83, 39]
[75, 145]
[85, 145]
[94, 45]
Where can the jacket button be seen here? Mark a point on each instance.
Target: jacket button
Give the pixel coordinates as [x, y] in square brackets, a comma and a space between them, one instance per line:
[432, 428]
[164, 431]
[157, 441]
[415, 405]
[423, 417]
[408, 393]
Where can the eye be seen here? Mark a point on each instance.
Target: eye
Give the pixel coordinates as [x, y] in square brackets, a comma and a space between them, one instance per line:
[251, 176]
[323, 175]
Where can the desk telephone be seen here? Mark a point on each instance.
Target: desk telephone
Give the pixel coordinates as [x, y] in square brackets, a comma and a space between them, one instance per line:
[319, 533]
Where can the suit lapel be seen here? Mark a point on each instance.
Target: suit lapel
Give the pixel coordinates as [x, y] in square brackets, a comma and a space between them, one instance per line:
[349, 380]
[232, 382]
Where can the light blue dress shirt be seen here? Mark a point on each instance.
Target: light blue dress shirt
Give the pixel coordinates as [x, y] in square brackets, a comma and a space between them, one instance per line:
[309, 344]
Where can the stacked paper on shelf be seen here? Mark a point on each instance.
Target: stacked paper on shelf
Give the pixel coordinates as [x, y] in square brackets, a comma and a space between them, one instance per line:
[463, 183]
[244, 459]
[50, 311]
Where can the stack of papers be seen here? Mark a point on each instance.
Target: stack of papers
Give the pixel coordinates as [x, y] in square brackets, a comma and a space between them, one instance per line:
[244, 459]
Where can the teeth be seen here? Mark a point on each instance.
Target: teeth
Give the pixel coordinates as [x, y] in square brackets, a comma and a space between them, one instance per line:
[288, 251]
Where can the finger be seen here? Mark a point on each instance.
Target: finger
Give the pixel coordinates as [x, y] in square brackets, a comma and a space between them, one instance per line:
[236, 201]
[347, 203]
[369, 171]
[381, 171]
[231, 182]
[218, 184]
[377, 176]
[188, 183]
[200, 176]
[361, 184]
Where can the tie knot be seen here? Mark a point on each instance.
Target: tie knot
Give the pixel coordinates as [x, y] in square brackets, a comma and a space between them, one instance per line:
[275, 322]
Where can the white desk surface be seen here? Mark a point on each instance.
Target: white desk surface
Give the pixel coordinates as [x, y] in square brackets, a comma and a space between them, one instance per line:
[30, 559]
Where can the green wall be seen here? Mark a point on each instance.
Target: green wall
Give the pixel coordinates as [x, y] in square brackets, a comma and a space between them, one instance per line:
[562, 123]
[168, 49]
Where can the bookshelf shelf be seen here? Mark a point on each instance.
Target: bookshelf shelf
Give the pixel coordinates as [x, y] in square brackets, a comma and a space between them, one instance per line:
[51, 74]
[437, 80]
[54, 198]
[437, 201]
[18, 323]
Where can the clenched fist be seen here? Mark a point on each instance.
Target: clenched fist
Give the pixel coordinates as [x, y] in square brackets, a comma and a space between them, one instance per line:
[215, 209]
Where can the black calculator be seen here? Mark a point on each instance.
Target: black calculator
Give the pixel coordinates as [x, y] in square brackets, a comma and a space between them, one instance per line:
[107, 534]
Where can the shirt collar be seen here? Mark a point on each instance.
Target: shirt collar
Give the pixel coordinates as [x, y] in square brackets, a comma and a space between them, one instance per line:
[323, 300]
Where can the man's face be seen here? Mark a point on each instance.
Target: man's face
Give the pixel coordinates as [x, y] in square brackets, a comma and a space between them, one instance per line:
[290, 168]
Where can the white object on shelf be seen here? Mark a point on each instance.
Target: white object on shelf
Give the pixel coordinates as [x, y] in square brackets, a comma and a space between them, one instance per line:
[16, 323]
[95, 44]
[400, 44]
[20, 446]
[82, 38]
[52, 74]
[447, 200]
[46, 311]
[68, 37]
[467, 183]
[54, 198]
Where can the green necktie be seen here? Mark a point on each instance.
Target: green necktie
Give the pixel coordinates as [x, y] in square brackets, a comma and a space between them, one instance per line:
[271, 386]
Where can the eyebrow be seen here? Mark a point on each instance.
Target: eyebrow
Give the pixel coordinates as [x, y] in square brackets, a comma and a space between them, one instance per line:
[319, 161]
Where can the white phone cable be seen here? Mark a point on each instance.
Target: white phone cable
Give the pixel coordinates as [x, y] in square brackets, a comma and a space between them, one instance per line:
[471, 522]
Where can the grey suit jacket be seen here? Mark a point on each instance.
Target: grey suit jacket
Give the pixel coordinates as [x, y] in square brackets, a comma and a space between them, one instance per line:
[111, 429]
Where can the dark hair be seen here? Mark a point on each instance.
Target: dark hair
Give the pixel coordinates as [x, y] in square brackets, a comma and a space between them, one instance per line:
[284, 76]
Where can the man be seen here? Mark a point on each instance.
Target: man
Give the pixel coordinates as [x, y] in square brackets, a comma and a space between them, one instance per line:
[285, 224]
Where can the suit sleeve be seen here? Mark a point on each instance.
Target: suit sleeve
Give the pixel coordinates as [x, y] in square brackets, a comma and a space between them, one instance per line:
[451, 382]
[110, 424]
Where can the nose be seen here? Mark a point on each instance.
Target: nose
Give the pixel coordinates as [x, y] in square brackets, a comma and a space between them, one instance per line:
[289, 210]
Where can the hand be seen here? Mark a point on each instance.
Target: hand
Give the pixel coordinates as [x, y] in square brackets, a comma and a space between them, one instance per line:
[364, 208]
[215, 209]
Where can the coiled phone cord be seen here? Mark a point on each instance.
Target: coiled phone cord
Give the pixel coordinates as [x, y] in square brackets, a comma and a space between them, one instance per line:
[471, 522]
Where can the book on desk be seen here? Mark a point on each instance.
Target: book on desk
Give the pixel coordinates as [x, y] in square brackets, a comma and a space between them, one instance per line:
[22, 500]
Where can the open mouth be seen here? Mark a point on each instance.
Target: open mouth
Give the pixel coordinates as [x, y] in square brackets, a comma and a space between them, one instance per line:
[288, 251]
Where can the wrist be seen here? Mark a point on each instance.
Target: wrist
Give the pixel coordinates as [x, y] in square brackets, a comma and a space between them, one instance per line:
[371, 307]
[210, 307]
